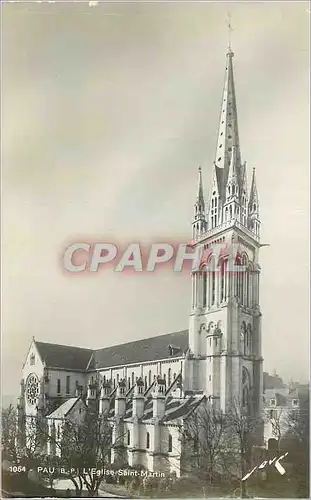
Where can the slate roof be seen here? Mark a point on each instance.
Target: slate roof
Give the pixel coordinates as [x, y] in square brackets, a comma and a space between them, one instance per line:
[176, 407]
[151, 349]
[63, 409]
[283, 396]
[82, 359]
[64, 356]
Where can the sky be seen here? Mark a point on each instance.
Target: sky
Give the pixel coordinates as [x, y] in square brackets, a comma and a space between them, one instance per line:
[107, 112]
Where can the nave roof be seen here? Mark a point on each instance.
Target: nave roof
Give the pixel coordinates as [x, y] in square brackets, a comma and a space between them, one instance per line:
[74, 358]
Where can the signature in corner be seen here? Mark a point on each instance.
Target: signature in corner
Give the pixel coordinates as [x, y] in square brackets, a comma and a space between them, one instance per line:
[274, 461]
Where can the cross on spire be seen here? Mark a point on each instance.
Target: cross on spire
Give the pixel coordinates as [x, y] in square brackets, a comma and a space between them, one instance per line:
[230, 29]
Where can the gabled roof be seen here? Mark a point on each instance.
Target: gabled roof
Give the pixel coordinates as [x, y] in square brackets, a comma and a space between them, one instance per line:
[176, 409]
[170, 345]
[139, 351]
[64, 356]
[63, 410]
[283, 396]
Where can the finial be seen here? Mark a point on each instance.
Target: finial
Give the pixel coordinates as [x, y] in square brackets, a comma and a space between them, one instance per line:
[229, 31]
[199, 168]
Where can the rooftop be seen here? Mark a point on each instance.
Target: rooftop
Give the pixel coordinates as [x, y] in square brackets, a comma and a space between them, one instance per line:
[171, 345]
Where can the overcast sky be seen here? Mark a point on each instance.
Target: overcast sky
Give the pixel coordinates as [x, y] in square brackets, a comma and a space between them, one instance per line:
[107, 113]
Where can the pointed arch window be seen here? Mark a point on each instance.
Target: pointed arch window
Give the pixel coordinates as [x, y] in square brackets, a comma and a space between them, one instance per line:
[214, 210]
[246, 390]
[204, 288]
[222, 281]
[245, 397]
[249, 339]
[243, 208]
[147, 440]
[239, 279]
[169, 377]
[211, 294]
[250, 285]
[213, 291]
[149, 377]
[128, 438]
[244, 281]
[68, 384]
[133, 378]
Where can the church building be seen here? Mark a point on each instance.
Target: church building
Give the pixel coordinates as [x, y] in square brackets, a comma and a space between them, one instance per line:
[151, 386]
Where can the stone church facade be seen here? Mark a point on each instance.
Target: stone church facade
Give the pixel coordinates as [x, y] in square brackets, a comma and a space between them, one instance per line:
[153, 385]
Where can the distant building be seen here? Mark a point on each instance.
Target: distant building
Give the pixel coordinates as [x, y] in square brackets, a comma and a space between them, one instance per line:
[272, 381]
[150, 386]
[281, 406]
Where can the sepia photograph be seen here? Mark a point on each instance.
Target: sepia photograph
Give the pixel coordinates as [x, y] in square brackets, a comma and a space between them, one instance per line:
[155, 249]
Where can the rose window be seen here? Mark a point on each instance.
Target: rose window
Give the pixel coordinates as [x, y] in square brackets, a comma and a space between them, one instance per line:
[32, 389]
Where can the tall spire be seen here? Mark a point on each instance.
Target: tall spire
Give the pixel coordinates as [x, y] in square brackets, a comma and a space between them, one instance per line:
[233, 181]
[199, 220]
[200, 197]
[228, 133]
[253, 207]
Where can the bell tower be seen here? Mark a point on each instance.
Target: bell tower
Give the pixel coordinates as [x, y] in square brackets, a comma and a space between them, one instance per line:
[225, 318]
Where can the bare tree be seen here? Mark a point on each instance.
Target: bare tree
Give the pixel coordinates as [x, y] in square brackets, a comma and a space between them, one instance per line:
[298, 425]
[9, 433]
[276, 418]
[15, 432]
[85, 449]
[204, 433]
[51, 469]
[297, 444]
[243, 427]
[35, 441]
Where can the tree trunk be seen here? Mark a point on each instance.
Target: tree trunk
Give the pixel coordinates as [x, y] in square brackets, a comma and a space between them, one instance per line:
[78, 488]
[243, 483]
[243, 489]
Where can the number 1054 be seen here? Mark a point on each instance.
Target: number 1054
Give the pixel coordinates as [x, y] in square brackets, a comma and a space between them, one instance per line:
[17, 468]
